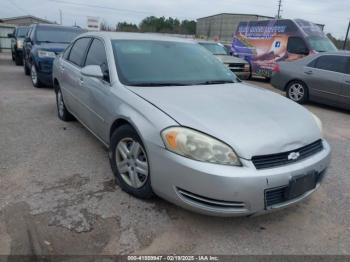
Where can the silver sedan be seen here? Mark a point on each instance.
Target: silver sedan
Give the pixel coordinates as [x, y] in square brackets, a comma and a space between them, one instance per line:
[180, 125]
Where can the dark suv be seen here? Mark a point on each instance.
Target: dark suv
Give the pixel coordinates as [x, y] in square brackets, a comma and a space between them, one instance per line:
[17, 38]
[42, 44]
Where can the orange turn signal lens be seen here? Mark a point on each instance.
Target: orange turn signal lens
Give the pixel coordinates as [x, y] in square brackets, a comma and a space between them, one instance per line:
[171, 139]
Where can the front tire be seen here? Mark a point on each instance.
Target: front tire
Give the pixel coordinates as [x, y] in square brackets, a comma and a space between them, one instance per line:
[129, 162]
[25, 68]
[18, 60]
[62, 111]
[298, 92]
[34, 77]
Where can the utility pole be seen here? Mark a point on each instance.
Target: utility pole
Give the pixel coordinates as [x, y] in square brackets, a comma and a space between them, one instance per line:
[279, 9]
[60, 17]
[346, 38]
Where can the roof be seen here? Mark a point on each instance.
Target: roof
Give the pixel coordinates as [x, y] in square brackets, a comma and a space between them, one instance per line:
[26, 16]
[137, 36]
[269, 17]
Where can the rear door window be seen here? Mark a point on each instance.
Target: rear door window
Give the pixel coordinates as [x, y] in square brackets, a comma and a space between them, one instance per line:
[97, 56]
[77, 53]
[332, 63]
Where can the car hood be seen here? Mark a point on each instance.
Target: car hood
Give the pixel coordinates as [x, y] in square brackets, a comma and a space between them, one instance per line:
[252, 120]
[53, 47]
[226, 59]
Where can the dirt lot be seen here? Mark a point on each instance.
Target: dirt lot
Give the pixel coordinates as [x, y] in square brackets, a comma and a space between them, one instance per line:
[57, 194]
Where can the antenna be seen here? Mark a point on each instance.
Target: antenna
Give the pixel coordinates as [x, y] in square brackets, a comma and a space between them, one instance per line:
[279, 9]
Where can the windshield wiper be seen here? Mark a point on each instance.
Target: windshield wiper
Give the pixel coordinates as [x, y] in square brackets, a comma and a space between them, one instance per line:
[216, 82]
[160, 84]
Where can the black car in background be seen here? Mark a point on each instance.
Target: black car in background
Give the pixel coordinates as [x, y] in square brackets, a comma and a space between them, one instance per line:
[17, 38]
[42, 44]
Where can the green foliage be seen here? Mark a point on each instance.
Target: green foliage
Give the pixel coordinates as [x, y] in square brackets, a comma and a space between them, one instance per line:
[339, 43]
[160, 25]
[127, 27]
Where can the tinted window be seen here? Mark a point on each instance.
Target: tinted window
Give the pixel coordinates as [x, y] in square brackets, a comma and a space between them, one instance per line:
[21, 32]
[296, 45]
[78, 51]
[321, 44]
[57, 34]
[332, 63]
[97, 56]
[66, 52]
[157, 63]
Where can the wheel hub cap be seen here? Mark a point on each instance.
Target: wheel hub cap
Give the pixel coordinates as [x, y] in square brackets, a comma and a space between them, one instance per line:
[296, 92]
[132, 162]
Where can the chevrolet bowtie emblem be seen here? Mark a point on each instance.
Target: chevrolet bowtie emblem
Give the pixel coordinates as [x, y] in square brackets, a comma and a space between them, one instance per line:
[293, 156]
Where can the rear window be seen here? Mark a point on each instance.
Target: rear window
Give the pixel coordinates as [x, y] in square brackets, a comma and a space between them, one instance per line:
[57, 34]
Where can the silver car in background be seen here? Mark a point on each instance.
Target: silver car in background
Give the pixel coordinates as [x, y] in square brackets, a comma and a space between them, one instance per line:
[179, 124]
[237, 65]
[323, 78]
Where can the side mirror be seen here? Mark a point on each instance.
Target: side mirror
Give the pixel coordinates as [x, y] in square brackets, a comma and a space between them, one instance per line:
[27, 39]
[92, 71]
[10, 35]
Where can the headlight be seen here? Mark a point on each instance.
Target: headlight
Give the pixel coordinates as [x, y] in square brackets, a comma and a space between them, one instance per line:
[318, 122]
[19, 44]
[198, 146]
[45, 54]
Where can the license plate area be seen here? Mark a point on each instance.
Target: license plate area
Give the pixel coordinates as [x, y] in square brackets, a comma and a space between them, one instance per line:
[299, 185]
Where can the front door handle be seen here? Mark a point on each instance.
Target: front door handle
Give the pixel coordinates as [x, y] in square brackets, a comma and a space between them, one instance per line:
[308, 72]
[81, 81]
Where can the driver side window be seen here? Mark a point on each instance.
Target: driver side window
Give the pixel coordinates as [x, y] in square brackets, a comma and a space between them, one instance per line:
[297, 45]
[97, 56]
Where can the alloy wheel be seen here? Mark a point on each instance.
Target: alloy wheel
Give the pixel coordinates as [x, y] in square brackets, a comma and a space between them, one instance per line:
[60, 103]
[296, 92]
[34, 75]
[132, 162]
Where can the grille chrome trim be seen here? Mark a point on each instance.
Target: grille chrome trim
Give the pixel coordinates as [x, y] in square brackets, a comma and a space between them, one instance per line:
[281, 159]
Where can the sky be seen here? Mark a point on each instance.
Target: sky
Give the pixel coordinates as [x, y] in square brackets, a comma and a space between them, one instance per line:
[333, 13]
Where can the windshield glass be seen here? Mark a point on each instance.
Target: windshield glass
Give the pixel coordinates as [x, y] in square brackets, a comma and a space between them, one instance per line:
[21, 32]
[215, 49]
[57, 34]
[321, 44]
[156, 63]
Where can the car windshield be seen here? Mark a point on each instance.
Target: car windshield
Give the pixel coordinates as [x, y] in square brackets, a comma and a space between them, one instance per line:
[165, 63]
[321, 44]
[57, 34]
[215, 49]
[21, 32]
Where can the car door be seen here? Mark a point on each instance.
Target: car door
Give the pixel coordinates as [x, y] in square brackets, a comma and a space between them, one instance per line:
[99, 90]
[71, 86]
[324, 77]
[27, 45]
[346, 84]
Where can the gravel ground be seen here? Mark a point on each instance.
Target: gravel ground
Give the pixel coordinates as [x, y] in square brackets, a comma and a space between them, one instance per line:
[57, 194]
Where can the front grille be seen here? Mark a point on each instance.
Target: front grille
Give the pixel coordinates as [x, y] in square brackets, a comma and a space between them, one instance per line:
[208, 202]
[275, 196]
[281, 159]
[236, 67]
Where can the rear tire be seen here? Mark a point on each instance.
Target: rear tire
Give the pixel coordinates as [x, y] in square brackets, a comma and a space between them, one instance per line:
[298, 92]
[18, 60]
[62, 111]
[129, 162]
[26, 69]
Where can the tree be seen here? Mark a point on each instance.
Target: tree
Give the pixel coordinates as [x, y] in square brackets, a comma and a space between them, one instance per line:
[127, 27]
[105, 27]
[167, 25]
[338, 43]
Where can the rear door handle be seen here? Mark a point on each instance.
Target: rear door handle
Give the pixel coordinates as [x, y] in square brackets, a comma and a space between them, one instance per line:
[308, 72]
[81, 81]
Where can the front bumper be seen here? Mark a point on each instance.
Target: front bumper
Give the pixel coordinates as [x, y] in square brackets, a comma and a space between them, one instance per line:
[226, 190]
[44, 70]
